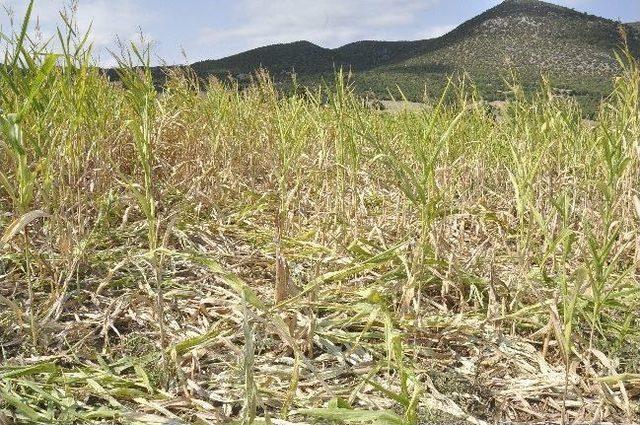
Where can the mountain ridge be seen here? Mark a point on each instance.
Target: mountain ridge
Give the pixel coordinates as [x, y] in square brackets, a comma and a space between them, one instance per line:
[575, 49]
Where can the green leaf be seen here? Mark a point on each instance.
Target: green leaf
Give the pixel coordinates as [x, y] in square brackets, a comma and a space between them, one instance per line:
[22, 407]
[382, 417]
[17, 372]
[13, 133]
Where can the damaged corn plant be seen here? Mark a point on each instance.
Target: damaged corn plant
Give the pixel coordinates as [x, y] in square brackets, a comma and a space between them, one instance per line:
[207, 255]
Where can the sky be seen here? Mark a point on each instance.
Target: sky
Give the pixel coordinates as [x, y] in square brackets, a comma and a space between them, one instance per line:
[185, 31]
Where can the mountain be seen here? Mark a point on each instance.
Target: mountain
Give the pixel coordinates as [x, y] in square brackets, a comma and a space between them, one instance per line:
[574, 49]
[303, 56]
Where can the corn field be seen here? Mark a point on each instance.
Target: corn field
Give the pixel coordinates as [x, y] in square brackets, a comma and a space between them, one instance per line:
[205, 254]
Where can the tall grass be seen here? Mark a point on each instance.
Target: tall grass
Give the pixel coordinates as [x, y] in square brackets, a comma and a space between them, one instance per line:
[408, 252]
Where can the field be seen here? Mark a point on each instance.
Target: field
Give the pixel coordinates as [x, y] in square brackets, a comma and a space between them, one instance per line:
[209, 255]
[574, 51]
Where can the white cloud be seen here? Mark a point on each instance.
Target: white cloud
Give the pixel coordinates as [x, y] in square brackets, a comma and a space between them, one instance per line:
[435, 31]
[111, 18]
[108, 20]
[250, 23]
[329, 22]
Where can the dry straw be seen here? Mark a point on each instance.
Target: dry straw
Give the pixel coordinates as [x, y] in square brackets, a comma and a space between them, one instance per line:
[210, 254]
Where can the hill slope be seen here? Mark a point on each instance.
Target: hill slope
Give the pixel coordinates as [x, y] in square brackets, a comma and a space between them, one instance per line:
[529, 36]
[576, 50]
[532, 36]
[303, 56]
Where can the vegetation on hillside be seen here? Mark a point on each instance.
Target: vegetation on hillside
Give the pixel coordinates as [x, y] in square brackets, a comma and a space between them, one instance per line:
[225, 256]
[528, 37]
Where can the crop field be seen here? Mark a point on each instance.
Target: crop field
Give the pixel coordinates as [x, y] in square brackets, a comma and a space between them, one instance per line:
[208, 255]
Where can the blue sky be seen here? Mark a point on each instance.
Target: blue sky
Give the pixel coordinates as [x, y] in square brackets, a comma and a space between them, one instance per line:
[190, 30]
